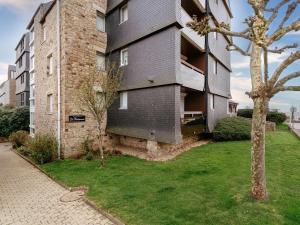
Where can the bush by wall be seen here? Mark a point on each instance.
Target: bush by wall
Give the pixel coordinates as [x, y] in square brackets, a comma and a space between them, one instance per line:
[13, 120]
[43, 148]
[232, 129]
[275, 117]
[19, 138]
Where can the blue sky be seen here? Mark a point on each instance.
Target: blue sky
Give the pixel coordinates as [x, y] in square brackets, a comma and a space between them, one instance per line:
[15, 15]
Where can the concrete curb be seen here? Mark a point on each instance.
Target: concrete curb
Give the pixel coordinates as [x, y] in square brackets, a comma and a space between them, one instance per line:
[85, 199]
[294, 132]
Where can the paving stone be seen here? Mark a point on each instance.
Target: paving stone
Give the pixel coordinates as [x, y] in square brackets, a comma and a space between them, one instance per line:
[29, 197]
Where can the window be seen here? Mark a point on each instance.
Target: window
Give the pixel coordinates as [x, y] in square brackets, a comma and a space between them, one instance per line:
[50, 65]
[32, 63]
[123, 14]
[100, 22]
[212, 102]
[21, 62]
[215, 65]
[22, 99]
[44, 33]
[32, 35]
[123, 100]
[100, 61]
[22, 45]
[22, 79]
[124, 57]
[215, 35]
[50, 103]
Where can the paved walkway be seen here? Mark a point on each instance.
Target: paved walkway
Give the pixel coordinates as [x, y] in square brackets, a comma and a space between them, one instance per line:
[297, 128]
[28, 197]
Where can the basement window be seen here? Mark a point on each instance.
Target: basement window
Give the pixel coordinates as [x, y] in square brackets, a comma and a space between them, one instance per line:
[124, 100]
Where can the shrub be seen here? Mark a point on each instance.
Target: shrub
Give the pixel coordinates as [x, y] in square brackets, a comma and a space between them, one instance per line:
[89, 156]
[13, 119]
[232, 129]
[20, 119]
[24, 151]
[4, 122]
[275, 117]
[43, 148]
[19, 138]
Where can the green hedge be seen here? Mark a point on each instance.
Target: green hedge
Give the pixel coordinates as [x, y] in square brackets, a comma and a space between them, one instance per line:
[232, 129]
[13, 119]
[275, 117]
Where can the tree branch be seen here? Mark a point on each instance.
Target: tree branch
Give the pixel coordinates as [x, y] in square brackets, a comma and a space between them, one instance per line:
[280, 32]
[202, 27]
[287, 88]
[290, 10]
[287, 78]
[292, 58]
[281, 50]
[234, 47]
[275, 10]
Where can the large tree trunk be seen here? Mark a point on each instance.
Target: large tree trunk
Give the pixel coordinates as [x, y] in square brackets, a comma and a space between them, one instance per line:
[258, 178]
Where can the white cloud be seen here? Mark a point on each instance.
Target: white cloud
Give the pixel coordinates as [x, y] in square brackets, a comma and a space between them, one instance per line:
[20, 4]
[243, 62]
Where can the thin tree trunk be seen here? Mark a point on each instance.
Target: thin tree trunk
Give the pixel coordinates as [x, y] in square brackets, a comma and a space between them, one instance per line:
[101, 149]
[258, 178]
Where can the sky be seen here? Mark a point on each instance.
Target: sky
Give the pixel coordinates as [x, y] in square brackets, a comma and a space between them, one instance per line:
[16, 14]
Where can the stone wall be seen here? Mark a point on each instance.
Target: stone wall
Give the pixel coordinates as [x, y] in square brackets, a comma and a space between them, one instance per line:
[80, 42]
[45, 84]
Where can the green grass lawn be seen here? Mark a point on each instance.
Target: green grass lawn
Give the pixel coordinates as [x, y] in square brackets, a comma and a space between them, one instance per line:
[207, 185]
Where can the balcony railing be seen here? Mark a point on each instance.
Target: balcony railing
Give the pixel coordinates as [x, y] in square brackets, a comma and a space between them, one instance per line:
[189, 34]
[192, 77]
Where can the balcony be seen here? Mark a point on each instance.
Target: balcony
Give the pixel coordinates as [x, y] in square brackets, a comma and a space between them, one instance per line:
[191, 76]
[201, 4]
[189, 34]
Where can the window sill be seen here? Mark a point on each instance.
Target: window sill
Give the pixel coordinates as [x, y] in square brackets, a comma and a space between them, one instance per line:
[123, 108]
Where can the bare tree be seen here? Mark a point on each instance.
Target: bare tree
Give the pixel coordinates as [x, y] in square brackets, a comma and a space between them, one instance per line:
[264, 87]
[293, 110]
[97, 93]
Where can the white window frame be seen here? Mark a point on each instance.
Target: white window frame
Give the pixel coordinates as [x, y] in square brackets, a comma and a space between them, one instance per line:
[122, 61]
[50, 103]
[50, 66]
[103, 66]
[215, 67]
[124, 100]
[44, 33]
[212, 102]
[124, 16]
[101, 16]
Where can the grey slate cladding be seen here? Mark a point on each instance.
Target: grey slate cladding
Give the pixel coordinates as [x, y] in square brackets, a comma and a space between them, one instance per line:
[152, 78]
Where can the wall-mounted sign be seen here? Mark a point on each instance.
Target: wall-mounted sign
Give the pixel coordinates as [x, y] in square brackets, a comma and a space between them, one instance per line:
[76, 118]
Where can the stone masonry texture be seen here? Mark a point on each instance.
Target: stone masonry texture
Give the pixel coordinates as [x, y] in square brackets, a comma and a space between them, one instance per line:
[80, 42]
[28, 197]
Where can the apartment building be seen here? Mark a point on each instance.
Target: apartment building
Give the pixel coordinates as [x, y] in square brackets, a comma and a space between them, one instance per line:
[172, 76]
[8, 88]
[66, 37]
[22, 71]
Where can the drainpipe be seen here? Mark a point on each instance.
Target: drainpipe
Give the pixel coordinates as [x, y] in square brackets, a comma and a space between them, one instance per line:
[58, 80]
[206, 69]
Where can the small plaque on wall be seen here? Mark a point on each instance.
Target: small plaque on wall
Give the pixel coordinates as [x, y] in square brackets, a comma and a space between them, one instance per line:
[76, 118]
